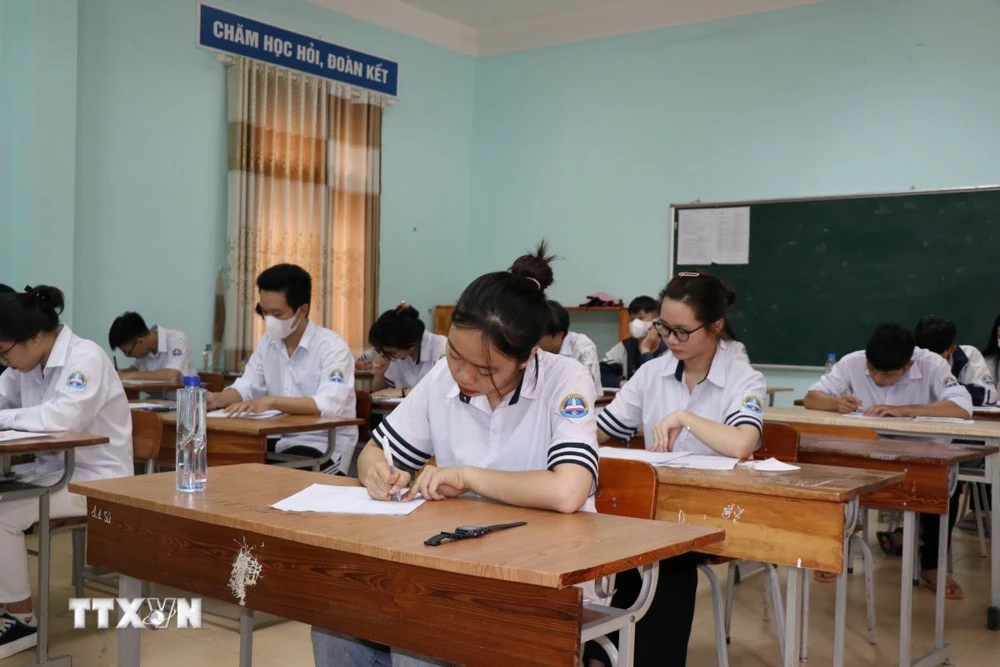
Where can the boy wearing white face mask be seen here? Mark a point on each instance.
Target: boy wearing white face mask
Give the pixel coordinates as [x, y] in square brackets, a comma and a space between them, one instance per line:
[298, 368]
[623, 360]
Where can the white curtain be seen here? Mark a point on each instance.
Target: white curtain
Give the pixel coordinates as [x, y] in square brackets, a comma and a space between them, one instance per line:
[304, 181]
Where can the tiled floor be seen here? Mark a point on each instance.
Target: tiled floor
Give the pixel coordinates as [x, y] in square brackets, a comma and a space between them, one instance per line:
[287, 644]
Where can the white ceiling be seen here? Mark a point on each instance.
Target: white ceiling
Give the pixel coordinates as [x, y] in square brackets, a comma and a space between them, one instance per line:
[487, 27]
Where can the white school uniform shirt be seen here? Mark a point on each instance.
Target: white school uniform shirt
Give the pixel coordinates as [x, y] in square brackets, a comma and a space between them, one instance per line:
[172, 352]
[580, 347]
[77, 390]
[928, 380]
[736, 347]
[321, 368]
[732, 394]
[972, 372]
[548, 420]
[407, 372]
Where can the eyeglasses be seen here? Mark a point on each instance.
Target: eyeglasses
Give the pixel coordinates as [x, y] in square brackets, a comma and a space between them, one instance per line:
[665, 331]
[4, 359]
[131, 348]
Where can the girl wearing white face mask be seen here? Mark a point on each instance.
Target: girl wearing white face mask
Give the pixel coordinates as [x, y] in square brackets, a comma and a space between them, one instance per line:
[298, 368]
[624, 359]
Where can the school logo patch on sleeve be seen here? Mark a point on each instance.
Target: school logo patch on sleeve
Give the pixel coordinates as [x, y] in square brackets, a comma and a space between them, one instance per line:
[574, 406]
[176, 353]
[752, 404]
[77, 380]
[337, 375]
[950, 381]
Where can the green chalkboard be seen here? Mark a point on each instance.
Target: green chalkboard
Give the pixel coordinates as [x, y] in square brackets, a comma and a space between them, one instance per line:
[824, 272]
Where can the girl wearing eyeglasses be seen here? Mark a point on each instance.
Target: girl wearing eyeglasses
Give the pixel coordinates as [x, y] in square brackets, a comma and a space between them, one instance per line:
[702, 397]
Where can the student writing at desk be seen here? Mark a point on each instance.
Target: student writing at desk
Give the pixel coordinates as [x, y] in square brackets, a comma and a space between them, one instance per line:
[503, 420]
[298, 368]
[407, 351]
[56, 381]
[558, 339]
[892, 377]
[701, 397]
[967, 363]
[159, 353]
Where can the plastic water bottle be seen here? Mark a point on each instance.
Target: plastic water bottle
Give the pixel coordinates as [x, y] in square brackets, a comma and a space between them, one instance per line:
[206, 357]
[192, 452]
[831, 361]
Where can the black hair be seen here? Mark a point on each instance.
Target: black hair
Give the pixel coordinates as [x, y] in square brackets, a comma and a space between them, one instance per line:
[643, 304]
[992, 346]
[126, 327]
[291, 280]
[558, 319]
[890, 347]
[399, 328]
[23, 315]
[509, 307]
[935, 334]
[6, 289]
[707, 296]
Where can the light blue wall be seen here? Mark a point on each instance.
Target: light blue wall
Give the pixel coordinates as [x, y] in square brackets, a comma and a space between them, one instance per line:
[38, 47]
[590, 143]
[151, 161]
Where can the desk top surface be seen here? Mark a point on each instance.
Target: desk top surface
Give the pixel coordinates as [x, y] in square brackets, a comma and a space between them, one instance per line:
[891, 449]
[976, 429]
[812, 482]
[52, 442]
[554, 550]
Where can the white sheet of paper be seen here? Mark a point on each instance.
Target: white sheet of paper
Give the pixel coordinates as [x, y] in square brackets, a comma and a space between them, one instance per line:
[343, 500]
[695, 236]
[943, 420]
[652, 458]
[387, 400]
[703, 462]
[267, 414]
[770, 465]
[8, 436]
[732, 236]
[140, 383]
[987, 408]
[861, 415]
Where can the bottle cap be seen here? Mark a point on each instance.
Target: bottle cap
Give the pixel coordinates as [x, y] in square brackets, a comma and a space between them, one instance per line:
[192, 381]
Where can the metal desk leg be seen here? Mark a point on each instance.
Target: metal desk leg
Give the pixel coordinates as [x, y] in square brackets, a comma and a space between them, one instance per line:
[793, 616]
[993, 613]
[246, 637]
[851, 511]
[906, 588]
[129, 639]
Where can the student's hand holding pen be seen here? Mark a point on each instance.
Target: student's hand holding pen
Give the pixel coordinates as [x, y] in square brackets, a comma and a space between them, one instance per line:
[847, 404]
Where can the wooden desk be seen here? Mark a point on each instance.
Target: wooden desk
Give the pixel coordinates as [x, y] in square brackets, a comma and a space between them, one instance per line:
[232, 441]
[504, 599]
[986, 414]
[133, 388]
[931, 476]
[802, 519]
[14, 489]
[987, 432]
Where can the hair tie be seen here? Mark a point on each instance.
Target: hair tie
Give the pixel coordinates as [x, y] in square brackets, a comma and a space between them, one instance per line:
[402, 306]
[534, 280]
[688, 274]
[33, 293]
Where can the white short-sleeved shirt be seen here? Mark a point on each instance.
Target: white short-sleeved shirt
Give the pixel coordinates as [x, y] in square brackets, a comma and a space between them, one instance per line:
[732, 394]
[172, 351]
[972, 371]
[548, 420]
[928, 380]
[580, 347]
[736, 347]
[77, 390]
[321, 368]
[407, 372]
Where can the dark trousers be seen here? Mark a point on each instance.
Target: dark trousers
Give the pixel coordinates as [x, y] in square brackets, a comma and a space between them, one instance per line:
[301, 450]
[661, 637]
[930, 529]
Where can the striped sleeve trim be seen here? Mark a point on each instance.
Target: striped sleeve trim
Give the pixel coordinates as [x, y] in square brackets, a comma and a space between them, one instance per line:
[608, 423]
[756, 423]
[401, 449]
[574, 452]
[389, 383]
